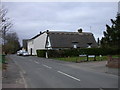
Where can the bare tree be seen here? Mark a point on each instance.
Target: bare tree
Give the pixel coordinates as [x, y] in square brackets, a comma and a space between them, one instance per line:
[12, 43]
[5, 24]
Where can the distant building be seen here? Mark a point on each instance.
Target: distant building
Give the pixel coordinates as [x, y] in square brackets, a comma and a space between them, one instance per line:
[25, 43]
[60, 40]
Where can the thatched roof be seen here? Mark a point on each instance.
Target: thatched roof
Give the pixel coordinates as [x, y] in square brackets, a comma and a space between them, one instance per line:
[67, 39]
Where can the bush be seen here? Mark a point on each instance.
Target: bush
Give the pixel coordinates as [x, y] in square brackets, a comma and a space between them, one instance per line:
[41, 53]
[77, 52]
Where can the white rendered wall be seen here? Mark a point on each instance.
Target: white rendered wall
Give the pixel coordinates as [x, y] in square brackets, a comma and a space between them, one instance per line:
[39, 42]
[29, 46]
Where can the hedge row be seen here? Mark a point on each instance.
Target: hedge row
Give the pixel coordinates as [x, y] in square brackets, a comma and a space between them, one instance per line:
[77, 52]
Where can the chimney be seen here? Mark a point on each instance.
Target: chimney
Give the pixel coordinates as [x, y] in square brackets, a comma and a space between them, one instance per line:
[47, 31]
[40, 32]
[80, 30]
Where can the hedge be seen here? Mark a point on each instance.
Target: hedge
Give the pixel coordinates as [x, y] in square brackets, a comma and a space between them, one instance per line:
[41, 53]
[77, 52]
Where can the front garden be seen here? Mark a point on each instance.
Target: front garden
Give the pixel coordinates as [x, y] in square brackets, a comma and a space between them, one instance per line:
[84, 59]
[80, 55]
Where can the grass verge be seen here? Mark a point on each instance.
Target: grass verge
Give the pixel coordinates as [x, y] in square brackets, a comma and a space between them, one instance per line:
[80, 59]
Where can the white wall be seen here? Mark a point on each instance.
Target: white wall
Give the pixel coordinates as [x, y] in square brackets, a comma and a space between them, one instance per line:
[30, 45]
[39, 42]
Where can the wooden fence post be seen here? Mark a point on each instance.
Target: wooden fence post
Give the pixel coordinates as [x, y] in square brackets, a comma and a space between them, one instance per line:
[87, 57]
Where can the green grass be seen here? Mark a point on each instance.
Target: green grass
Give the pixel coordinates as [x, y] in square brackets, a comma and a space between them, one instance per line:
[74, 59]
[116, 56]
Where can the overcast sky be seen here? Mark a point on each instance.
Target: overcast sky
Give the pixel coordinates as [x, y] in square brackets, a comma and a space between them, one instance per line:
[30, 18]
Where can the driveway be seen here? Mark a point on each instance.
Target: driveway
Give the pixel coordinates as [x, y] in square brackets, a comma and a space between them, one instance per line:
[97, 66]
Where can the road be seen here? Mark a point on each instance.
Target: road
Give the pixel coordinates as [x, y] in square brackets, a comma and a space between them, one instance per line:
[47, 73]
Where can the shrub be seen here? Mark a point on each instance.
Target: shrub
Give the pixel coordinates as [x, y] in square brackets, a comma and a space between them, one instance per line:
[41, 53]
[77, 52]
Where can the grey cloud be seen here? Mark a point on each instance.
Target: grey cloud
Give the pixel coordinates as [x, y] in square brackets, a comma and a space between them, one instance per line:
[30, 18]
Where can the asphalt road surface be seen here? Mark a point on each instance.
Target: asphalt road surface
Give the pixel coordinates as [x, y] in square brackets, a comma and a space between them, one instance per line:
[47, 73]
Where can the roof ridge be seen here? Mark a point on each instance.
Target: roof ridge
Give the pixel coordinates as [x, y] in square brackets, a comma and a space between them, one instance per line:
[65, 32]
[61, 32]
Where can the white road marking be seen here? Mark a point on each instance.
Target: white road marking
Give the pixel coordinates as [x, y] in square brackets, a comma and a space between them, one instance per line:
[47, 66]
[36, 62]
[25, 83]
[68, 75]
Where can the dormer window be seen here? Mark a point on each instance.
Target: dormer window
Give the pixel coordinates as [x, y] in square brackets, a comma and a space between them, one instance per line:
[89, 45]
[75, 44]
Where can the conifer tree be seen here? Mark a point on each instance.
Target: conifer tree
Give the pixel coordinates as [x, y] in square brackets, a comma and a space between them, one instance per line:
[111, 37]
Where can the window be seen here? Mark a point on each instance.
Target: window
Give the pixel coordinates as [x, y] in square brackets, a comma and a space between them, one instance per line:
[89, 45]
[75, 44]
